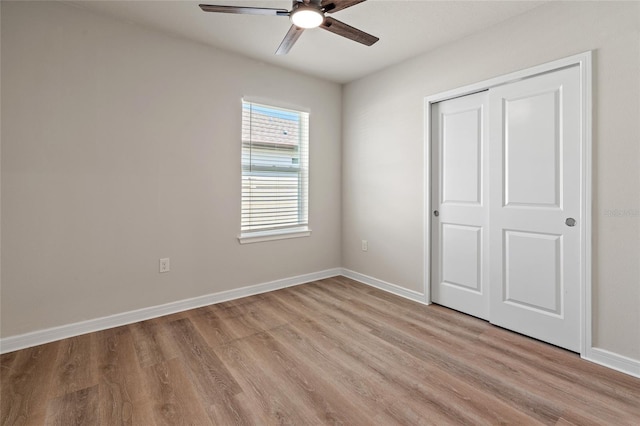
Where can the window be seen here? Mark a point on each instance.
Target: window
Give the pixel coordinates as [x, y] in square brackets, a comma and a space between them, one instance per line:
[275, 174]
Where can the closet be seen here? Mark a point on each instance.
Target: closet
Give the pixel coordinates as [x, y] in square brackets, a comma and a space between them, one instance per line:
[506, 205]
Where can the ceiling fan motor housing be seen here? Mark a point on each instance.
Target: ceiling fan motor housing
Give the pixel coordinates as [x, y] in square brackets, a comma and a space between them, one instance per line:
[317, 3]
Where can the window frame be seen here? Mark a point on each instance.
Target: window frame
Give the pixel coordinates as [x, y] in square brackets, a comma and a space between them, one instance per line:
[285, 232]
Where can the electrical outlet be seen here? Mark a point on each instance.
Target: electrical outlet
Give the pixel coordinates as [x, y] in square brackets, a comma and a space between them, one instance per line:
[164, 265]
[365, 245]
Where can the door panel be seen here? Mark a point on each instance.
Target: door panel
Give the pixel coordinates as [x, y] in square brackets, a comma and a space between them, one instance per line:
[526, 283]
[535, 257]
[461, 158]
[459, 243]
[532, 148]
[462, 245]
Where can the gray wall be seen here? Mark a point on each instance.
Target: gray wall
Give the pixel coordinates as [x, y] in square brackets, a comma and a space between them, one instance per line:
[120, 145]
[383, 190]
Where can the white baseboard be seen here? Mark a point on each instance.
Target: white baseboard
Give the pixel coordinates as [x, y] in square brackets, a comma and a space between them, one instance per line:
[13, 343]
[388, 287]
[614, 361]
[9, 344]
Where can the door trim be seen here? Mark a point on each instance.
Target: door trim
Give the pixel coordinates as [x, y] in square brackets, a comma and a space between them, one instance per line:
[584, 62]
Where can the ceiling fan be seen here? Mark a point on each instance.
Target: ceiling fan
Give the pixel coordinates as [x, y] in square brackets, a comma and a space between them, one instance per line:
[304, 14]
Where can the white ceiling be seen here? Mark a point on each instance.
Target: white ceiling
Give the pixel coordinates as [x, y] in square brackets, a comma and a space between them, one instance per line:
[405, 27]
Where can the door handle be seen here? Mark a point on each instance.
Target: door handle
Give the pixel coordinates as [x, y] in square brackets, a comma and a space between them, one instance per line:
[436, 213]
[570, 221]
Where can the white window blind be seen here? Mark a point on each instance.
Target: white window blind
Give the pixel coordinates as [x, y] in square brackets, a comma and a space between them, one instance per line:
[275, 174]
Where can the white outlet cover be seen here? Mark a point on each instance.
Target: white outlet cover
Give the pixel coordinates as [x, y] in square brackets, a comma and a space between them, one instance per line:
[164, 265]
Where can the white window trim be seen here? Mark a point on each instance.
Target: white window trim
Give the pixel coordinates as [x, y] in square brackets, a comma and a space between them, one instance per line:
[279, 234]
[302, 229]
[276, 103]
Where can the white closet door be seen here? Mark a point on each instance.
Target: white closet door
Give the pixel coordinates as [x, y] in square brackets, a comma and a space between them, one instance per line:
[535, 207]
[460, 241]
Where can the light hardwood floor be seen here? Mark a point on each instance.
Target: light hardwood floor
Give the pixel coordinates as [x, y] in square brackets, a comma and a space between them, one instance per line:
[329, 352]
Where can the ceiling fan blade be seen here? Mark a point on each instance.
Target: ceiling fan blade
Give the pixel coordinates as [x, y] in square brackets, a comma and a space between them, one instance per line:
[290, 39]
[348, 31]
[331, 6]
[244, 10]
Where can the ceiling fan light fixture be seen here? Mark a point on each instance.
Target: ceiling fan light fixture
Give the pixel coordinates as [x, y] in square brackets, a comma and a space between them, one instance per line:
[306, 17]
[304, 14]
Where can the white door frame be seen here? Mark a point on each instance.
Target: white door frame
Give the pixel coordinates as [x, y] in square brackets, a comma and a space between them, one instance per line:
[584, 61]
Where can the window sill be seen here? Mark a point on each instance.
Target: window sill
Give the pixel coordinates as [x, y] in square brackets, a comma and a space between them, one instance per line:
[282, 234]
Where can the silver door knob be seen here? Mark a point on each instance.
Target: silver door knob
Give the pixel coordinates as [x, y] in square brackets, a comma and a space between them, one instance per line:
[436, 213]
[570, 221]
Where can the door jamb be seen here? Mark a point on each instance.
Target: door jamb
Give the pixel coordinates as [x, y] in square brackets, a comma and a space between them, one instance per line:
[584, 62]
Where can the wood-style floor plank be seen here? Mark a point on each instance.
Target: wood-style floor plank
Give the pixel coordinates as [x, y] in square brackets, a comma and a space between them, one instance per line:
[309, 389]
[212, 380]
[350, 379]
[330, 352]
[121, 398]
[172, 397]
[74, 408]
[152, 341]
[269, 401]
[6, 361]
[25, 392]
[75, 367]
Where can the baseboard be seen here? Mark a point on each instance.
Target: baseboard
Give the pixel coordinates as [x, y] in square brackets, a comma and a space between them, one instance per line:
[385, 286]
[9, 344]
[14, 343]
[614, 361]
